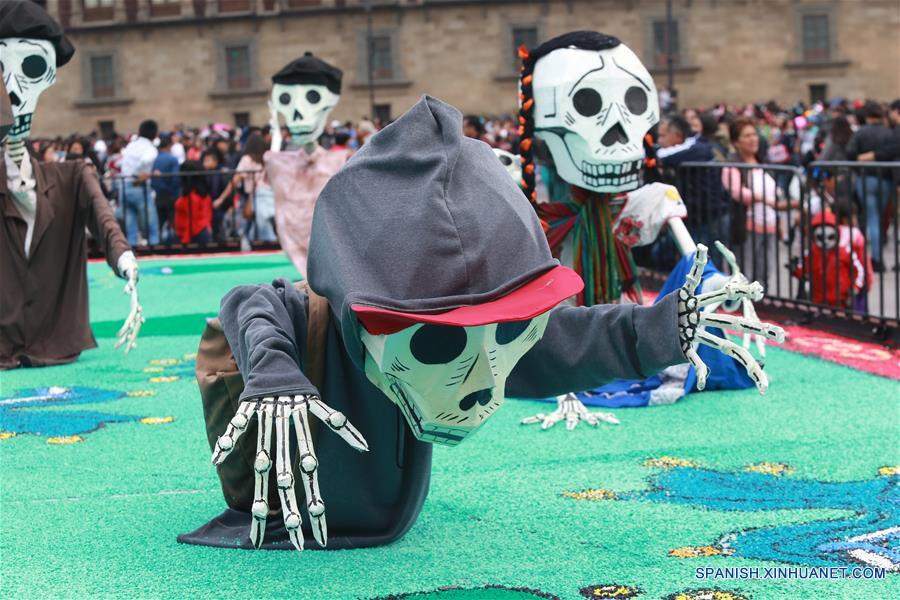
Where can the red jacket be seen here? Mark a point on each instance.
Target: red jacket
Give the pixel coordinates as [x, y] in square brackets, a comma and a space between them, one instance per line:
[193, 214]
[834, 272]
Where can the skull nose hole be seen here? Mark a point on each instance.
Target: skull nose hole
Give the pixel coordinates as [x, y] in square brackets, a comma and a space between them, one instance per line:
[615, 135]
[482, 397]
[297, 115]
[14, 99]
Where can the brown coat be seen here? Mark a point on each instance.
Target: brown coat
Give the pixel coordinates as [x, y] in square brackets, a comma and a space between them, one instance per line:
[44, 299]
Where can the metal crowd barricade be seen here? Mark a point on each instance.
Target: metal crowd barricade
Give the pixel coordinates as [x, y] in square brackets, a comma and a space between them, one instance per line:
[773, 218]
[148, 215]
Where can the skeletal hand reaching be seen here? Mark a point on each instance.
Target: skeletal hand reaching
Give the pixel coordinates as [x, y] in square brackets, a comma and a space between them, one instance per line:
[692, 321]
[746, 304]
[127, 335]
[283, 410]
[571, 410]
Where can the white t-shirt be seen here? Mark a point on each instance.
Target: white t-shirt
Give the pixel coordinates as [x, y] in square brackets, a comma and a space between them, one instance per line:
[138, 157]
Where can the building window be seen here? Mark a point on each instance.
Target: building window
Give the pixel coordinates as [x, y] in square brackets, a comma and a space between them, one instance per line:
[165, 8]
[238, 75]
[305, 3]
[103, 76]
[816, 38]
[381, 57]
[241, 120]
[383, 113]
[818, 92]
[98, 10]
[662, 42]
[107, 129]
[234, 6]
[522, 36]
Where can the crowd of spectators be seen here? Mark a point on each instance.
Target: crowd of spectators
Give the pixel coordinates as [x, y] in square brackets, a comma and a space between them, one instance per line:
[208, 184]
[190, 185]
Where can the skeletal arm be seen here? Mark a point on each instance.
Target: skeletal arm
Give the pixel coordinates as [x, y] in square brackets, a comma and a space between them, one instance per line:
[104, 228]
[260, 325]
[585, 347]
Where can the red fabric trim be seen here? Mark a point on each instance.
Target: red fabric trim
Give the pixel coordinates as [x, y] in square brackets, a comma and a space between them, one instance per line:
[530, 300]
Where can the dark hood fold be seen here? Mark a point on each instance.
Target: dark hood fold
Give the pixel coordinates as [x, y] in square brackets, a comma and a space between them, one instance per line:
[422, 219]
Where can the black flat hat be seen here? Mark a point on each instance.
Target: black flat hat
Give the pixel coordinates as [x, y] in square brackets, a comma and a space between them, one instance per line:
[309, 69]
[26, 19]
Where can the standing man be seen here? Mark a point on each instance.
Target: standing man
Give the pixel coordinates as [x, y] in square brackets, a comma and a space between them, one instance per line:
[137, 195]
[873, 186]
[166, 184]
[709, 215]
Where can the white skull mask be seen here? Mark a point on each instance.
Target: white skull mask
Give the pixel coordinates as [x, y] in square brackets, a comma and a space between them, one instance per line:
[825, 236]
[29, 68]
[448, 380]
[593, 108]
[304, 108]
[511, 163]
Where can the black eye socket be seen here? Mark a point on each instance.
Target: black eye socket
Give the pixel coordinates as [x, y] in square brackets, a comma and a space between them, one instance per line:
[313, 97]
[510, 330]
[437, 344]
[587, 102]
[285, 98]
[34, 66]
[636, 100]
[505, 160]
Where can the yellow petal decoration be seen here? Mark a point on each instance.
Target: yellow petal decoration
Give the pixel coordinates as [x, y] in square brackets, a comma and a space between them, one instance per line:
[65, 439]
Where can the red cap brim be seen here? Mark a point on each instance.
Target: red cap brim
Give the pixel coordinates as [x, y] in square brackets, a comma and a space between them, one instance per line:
[530, 300]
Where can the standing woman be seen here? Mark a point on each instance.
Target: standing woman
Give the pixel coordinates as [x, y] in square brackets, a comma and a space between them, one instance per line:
[756, 194]
[836, 149]
[259, 206]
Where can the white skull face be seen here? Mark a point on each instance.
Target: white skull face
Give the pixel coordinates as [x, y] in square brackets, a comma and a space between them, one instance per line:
[593, 110]
[825, 236]
[448, 380]
[511, 163]
[29, 68]
[304, 108]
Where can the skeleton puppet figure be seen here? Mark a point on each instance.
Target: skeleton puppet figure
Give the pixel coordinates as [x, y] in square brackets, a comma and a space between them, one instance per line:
[45, 209]
[304, 93]
[592, 102]
[427, 335]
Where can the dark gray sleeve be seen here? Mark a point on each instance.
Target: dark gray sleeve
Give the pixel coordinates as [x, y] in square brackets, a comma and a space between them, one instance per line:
[853, 146]
[266, 328]
[585, 347]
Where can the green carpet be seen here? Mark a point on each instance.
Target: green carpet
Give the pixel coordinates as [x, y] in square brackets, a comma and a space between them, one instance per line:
[513, 514]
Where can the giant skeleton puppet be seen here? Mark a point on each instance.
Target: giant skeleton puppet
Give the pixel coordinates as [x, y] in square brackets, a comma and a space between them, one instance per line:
[426, 335]
[304, 93]
[592, 102]
[44, 210]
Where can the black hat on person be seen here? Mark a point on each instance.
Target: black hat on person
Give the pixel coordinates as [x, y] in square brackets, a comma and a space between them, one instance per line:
[26, 19]
[309, 69]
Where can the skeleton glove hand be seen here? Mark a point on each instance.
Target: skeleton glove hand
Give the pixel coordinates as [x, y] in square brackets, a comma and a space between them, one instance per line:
[127, 335]
[746, 304]
[571, 410]
[691, 322]
[284, 409]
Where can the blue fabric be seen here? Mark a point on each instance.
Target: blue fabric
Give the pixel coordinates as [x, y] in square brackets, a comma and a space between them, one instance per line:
[166, 164]
[725, 372]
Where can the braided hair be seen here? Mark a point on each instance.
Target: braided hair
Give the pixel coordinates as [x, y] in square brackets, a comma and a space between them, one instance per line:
[583, 40]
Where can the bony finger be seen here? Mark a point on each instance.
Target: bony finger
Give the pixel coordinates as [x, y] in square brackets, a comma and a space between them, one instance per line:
[609, 418]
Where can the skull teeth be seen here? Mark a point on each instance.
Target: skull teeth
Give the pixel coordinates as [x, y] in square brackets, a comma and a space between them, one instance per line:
[610, 174]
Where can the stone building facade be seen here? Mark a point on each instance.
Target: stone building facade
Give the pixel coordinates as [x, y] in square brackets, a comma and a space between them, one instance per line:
[202, 61]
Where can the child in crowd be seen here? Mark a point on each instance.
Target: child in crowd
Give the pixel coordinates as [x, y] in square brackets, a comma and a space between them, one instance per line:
[193, 210]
